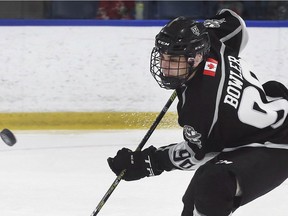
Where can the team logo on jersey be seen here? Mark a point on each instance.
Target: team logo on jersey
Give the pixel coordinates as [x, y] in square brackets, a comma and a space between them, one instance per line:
[195, 30]
[192, 135]
[224, 162]
[210, 67]
[213, 23]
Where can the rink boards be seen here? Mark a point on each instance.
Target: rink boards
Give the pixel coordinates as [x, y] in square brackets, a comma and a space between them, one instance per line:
[85, 120]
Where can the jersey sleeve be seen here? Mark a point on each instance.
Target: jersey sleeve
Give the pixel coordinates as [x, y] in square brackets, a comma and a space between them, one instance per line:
[229, 28]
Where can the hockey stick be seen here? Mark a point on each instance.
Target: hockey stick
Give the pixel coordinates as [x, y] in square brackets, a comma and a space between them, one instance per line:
[140, 146]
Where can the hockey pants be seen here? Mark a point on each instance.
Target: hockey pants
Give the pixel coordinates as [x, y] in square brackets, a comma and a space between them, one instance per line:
[212, 189]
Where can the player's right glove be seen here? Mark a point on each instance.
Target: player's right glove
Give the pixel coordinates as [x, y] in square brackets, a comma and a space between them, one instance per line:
[138, 164]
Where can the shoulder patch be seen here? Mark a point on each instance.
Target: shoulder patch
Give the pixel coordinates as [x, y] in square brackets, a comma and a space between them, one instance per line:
[210, 67]
[213, 23]
[192, 135]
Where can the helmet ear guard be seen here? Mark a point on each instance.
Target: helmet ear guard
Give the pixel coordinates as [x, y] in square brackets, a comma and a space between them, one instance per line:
[180, 37]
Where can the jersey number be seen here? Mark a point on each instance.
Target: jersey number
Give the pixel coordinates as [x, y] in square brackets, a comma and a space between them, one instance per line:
[182, 158]
[253, 111]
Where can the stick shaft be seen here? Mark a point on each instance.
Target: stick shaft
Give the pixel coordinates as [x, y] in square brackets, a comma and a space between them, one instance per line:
[140, 146]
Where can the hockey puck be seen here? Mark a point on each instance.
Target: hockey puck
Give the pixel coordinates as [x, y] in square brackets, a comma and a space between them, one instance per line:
[8, 137]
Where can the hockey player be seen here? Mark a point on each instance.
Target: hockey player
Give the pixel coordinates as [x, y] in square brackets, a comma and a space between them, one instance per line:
[235, 130]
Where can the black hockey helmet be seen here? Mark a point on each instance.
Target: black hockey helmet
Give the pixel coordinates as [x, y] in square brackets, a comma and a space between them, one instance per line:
[180, 37]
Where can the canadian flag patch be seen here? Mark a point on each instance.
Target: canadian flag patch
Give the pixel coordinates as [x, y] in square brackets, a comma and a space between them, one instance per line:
[210, 67]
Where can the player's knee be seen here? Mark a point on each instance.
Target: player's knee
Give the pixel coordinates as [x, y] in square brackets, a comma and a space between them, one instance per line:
[215, 191]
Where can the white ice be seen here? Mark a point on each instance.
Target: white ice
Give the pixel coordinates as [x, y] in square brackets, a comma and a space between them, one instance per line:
[65, 173]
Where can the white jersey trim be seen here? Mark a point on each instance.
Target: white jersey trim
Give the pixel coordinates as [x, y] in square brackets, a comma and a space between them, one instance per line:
[220, 88]
[259, 145]
[245, 36]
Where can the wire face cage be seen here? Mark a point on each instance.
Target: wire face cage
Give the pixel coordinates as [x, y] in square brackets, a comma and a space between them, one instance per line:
[169, 71]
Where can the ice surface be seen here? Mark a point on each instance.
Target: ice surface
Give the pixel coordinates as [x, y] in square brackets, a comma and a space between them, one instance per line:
[64, 173]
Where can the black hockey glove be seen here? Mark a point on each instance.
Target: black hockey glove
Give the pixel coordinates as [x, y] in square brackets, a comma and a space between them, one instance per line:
[138, 164]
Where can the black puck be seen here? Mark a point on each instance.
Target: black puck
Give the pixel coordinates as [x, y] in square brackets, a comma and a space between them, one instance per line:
[8, 137]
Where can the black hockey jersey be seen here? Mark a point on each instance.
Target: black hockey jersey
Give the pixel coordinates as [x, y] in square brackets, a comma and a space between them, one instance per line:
[224, 106]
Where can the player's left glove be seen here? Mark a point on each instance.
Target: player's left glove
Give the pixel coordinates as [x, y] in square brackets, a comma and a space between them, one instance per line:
[138, 164]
